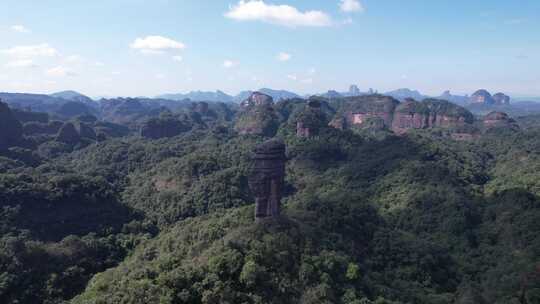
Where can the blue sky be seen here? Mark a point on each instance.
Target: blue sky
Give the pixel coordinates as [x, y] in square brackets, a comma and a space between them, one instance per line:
[150, 47]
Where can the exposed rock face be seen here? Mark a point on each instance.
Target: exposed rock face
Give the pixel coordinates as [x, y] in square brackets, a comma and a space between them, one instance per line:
[68, 134]
[311, 120]
[358, 110]
[499, 120]
[267, 177]
[257, 116]
[501, 99]
[428, 114]
[379, 112]
[258, 99]
[10, 128]
[482, 97]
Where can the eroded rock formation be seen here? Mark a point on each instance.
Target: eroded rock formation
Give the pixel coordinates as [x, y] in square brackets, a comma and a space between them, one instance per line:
[499, 120]
[358, 110]
[482, 97]
[258, 99]
[429, 114]
[267, 178]
[501, 99]
[257, 116]
[381, 112]
[310, 120]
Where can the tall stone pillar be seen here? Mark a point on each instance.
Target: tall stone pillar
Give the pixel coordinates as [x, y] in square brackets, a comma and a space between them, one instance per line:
[267, 178]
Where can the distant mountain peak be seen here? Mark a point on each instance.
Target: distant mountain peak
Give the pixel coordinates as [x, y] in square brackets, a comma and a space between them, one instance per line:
[72, 96]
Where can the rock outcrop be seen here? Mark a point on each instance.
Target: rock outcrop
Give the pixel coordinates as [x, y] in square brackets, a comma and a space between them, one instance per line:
[430, 113]
[310, 120]
[482, 97]
[359, 110]
[68, 134]
[258, 99]
[378, 112]
[496, 120]
[266, 180]
[501, 99]
[10, 128]
[257, 116]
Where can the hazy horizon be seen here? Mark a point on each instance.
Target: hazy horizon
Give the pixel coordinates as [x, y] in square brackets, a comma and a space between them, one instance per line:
[141, 48]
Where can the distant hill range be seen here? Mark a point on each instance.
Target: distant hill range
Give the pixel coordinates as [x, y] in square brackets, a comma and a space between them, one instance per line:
[61, 105]
[219, 96]
[73, 96]
[68, 104]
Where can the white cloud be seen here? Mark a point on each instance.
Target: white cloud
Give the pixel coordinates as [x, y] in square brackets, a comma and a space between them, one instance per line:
[160, 76]
[59, 71]
[230, 64]
[307, 81]
[99, 64]
[23, 63]
[350, 6]
[156, 44]
[292, 77]
[284, 56]
[258, 10]
[29, 51]
[178, 58]
[20, 29]
[312, 71]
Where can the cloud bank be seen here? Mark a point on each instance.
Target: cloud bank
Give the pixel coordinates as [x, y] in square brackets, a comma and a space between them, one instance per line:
[156, 44]
[286, 15]
[350, 6]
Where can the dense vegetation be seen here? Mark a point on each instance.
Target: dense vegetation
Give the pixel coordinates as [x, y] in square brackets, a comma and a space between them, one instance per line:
[378, 219]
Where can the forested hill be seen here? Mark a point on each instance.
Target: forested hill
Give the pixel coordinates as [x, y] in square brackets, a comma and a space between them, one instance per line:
[383, 202]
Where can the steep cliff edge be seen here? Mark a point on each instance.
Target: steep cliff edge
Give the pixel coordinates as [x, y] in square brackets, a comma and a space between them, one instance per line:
[388, 113]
